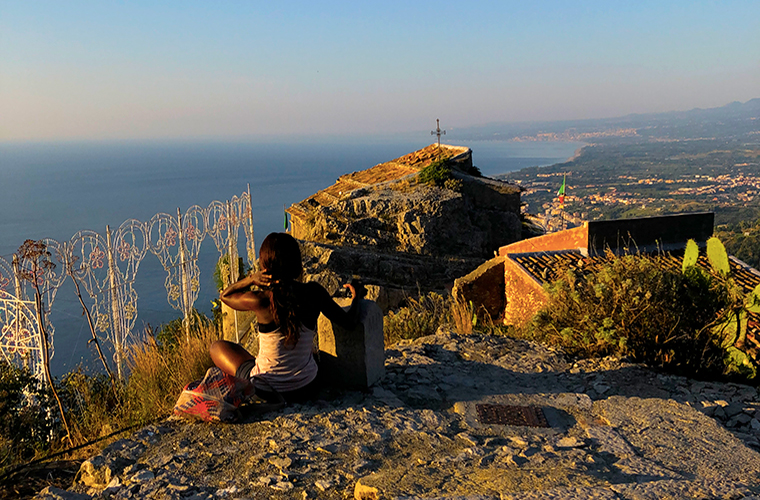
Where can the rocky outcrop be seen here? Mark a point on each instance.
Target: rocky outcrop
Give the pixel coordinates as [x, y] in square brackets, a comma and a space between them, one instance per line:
[413, 235]
[616, 430]
[420, 219]
[391, 277]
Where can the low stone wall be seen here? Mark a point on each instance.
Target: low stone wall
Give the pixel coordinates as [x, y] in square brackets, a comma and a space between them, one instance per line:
[484, 288]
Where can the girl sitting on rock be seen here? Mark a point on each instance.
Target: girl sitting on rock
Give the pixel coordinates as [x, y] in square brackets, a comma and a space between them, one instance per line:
[286, 311]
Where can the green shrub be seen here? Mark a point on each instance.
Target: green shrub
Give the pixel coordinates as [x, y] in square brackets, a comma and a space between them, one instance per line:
[94, 409]
[221, 275]
[634, 306]
[730, 327]
[436, 174]
[26, 425]
[170, 335]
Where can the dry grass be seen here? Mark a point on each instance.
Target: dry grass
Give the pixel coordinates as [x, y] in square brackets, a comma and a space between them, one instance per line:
[158, 374]
[95, 409]
[423, 315]
[420, 317]
[462, 316]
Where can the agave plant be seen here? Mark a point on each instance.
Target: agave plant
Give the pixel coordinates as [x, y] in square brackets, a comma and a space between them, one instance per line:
[730, 327]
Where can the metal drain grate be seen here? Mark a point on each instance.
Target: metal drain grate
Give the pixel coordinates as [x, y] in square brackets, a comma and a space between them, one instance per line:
[528, 416]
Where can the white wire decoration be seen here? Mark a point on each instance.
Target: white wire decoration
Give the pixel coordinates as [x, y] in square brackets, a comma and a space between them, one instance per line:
[106, 267]
[20, 337]
[176, 241]
[19, 334]
[50, 280]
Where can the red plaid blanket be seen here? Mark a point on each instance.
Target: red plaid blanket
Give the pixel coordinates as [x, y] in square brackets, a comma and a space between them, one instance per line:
[215, 398]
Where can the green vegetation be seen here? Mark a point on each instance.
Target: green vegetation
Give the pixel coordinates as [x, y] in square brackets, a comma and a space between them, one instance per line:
[436, 174]
[634, 307]
[170, 335]
[692, 322]
[742, 240]
[439, 173]
[25, 426]
[159, 372]
[221, 274]
[731, 326]
[423, 315]
[420, 317]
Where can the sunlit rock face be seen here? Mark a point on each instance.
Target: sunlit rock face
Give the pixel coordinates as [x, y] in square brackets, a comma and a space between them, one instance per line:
[414, 235]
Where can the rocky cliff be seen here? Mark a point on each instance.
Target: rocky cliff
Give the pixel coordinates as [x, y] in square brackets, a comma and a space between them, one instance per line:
[387, 226]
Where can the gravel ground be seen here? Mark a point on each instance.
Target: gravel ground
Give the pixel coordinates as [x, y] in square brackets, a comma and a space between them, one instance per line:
[616, 431]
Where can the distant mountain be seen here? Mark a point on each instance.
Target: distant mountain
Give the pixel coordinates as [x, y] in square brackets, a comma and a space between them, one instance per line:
[733, 121]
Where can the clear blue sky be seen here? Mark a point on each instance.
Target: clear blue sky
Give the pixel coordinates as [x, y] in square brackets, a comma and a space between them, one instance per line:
[202, 69]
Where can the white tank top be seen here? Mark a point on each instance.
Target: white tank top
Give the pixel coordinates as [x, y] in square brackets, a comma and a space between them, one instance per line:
[285, 367]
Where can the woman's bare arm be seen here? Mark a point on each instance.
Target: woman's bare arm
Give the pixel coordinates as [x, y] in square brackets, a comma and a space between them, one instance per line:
[335, 313]
[239, 296]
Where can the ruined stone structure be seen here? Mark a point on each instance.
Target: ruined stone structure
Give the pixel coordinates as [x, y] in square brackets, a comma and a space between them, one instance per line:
[403, 236]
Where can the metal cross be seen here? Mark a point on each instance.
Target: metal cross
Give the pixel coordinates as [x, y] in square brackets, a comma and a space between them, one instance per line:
[438, 131]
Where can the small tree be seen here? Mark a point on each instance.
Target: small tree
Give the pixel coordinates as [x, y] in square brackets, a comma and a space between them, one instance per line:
[34, 261]
[72, 271]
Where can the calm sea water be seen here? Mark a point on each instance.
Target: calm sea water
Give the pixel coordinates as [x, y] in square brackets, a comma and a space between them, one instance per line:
[53, 190]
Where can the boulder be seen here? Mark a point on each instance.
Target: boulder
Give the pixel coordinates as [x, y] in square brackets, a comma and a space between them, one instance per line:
[95, 472]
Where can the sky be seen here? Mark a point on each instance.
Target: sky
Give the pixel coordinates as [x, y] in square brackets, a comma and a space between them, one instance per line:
[113, 70]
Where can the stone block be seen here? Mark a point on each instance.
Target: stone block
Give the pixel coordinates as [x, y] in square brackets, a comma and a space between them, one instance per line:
[353, 358]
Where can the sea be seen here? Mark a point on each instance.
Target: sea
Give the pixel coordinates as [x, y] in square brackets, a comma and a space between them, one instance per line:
[55, 189]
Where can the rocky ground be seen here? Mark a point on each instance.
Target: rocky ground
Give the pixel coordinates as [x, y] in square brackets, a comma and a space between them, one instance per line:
[616, 430]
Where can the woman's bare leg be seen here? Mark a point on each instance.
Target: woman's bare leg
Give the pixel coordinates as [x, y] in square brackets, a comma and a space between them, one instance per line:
[228, 356]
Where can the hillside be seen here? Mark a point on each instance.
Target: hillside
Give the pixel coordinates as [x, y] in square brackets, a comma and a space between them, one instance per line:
[735, 120]
[609, 181]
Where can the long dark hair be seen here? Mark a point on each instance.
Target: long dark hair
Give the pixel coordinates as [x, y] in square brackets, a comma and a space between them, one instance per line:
[280, 256]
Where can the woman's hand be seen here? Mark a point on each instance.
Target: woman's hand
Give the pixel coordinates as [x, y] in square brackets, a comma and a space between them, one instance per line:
[261, 278]
[357, 289]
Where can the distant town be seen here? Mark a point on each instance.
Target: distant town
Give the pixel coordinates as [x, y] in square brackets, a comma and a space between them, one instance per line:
[619, 176]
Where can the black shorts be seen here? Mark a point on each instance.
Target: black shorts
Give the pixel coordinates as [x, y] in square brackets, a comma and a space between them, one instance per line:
[300, 395]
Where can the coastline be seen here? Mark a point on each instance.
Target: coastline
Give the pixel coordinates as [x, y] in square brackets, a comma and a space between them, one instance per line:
[577, 153]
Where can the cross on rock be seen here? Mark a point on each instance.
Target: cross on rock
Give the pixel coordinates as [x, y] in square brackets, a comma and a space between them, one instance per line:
[438, 132]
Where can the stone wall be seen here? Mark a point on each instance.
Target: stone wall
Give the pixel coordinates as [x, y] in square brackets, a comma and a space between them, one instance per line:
[525, 296]
[390, 277]
[484, 288]
[569, 239]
